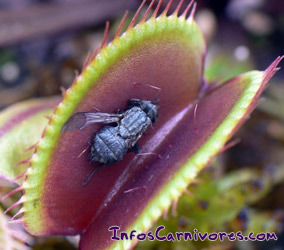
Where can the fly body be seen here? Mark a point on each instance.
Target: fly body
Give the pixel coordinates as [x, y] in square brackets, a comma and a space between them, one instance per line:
[111, 143]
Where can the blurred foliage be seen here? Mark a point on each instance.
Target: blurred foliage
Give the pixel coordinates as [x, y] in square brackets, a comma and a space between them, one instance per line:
[223, 68]
[12, 237]
[274, 104]
[222, 204]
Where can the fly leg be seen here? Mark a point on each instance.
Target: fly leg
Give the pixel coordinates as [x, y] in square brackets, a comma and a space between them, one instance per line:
[92, 174]
[120, 112]
[135, 149]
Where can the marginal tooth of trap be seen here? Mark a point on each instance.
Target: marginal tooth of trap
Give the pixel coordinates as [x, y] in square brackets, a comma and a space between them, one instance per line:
[187, 192]
[20, 220]
[21, 211]
[94, 55]
[21, 176]
[19, 202]
[229, 145]
[178, 8]
[174, 207]
[105, 35]
[196, 181]
[274, 64]
[86, 63]
[136, 15]
[31, 147]
[48, 117]
[165, 214]
[24, 162]
[20, 188]
[184, 14]
[121, 25]
[147, 12]
[63, 91]
[165, 12]
[192, 13]
[43, 132]
[271, 70]
[156, 10]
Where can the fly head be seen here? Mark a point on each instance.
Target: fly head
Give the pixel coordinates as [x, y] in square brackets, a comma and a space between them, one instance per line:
[149, 107]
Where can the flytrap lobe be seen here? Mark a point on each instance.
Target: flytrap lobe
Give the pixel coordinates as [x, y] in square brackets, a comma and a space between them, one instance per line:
[21, 126]
[162, 51]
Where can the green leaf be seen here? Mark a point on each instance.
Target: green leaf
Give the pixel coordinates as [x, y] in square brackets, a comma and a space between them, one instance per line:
[21, 126]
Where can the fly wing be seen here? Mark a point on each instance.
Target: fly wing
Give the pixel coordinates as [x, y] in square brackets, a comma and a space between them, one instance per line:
[81, 120]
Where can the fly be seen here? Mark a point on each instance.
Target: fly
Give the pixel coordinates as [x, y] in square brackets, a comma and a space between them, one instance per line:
[110, 144]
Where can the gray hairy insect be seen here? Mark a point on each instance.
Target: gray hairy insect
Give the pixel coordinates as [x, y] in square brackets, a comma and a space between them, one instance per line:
[110, 144]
